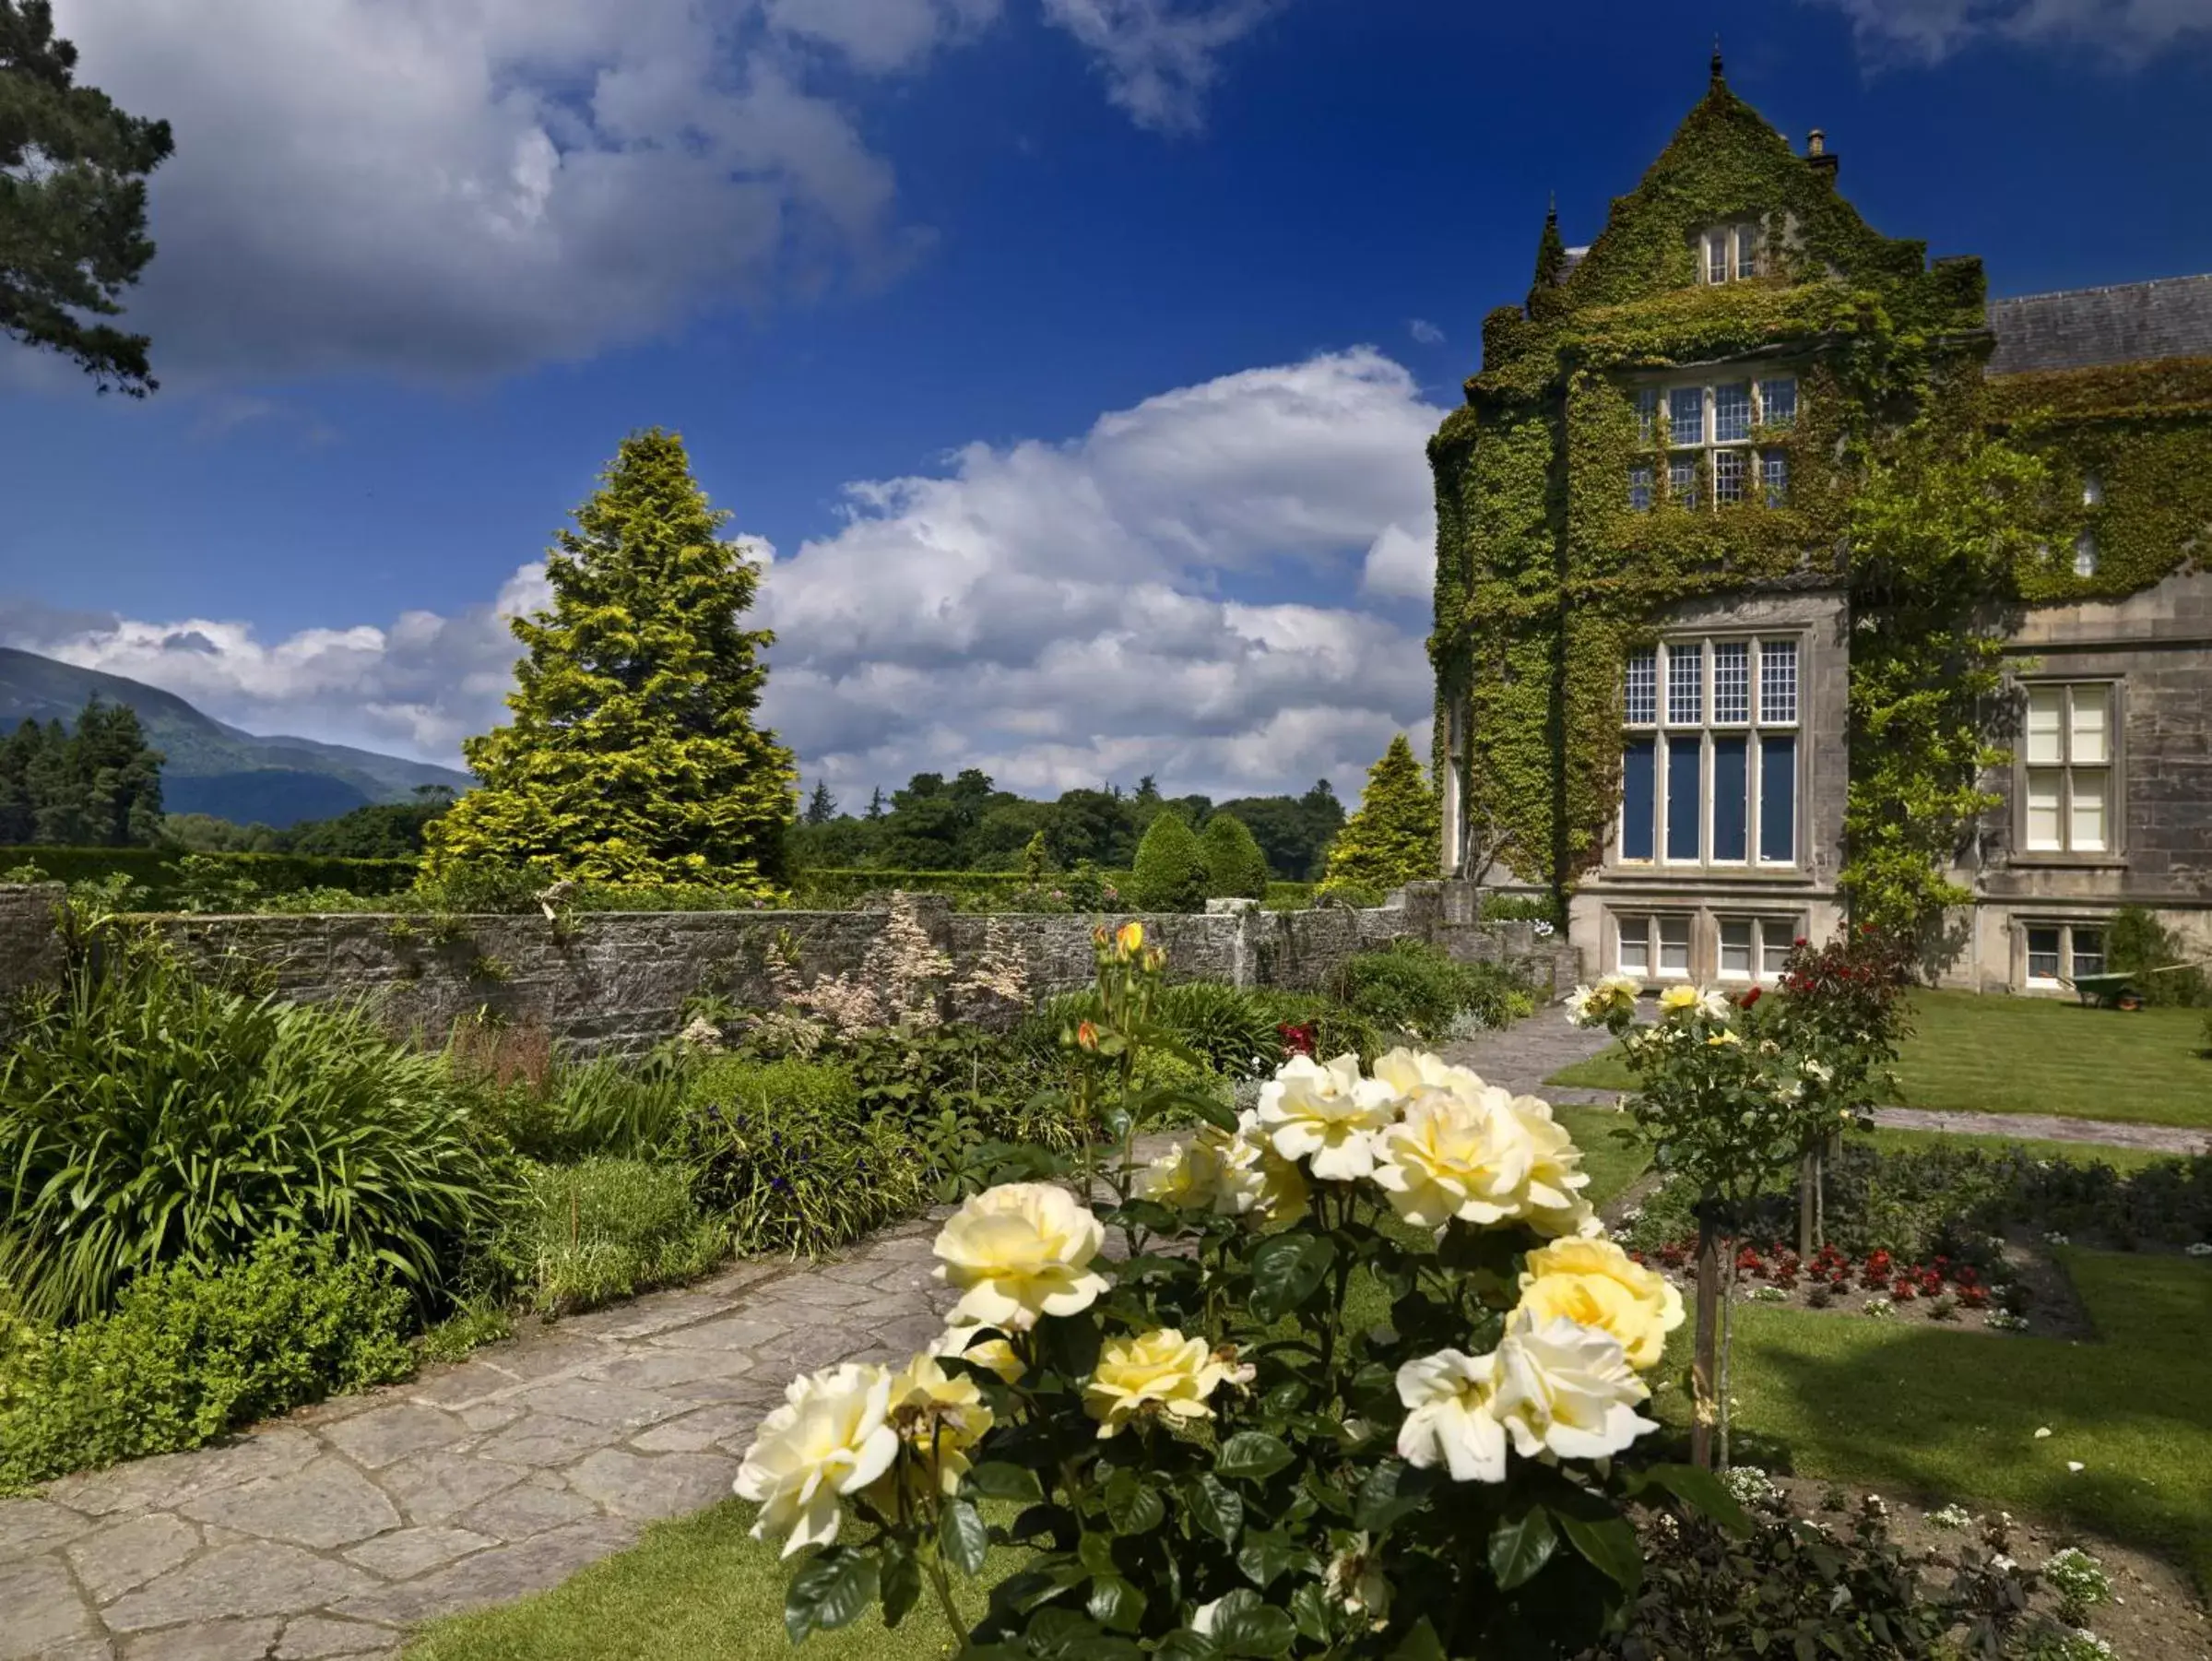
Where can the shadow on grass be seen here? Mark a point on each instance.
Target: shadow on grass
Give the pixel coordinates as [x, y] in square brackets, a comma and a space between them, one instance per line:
[1954, 1414]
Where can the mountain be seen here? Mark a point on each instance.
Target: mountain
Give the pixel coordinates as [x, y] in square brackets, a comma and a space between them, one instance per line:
[211, 767]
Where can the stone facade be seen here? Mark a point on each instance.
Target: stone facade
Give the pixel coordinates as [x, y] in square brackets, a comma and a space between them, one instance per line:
[619, 981]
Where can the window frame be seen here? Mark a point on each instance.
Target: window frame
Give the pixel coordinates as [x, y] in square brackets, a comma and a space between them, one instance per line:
[1741, 245]
[2069, 953]
[1647, 924]
[1757, 728]
[1766, 928]
[2114, 767]
[1695, 460]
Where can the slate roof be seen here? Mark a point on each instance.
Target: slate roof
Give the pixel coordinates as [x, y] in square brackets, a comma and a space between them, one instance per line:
[2083, 327]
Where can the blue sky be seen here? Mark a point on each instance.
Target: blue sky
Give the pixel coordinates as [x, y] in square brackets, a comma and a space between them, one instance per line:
[1126, 318]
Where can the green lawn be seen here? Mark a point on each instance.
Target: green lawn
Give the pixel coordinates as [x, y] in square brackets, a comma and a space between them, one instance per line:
[701, 1589]
[1949, 1414]
[1971, 1053]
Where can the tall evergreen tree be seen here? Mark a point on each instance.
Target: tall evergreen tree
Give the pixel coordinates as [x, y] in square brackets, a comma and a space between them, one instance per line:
[1170, 875]
[821, 807]
[19, 808]
[875, 802]
[118, 776]
[1395, 837]
[73, 173]
[632, 755]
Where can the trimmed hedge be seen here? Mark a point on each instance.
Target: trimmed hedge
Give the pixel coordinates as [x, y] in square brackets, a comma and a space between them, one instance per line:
[157, 868]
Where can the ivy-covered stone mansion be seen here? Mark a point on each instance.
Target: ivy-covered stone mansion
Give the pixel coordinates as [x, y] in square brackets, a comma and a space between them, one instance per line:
[1697, 672]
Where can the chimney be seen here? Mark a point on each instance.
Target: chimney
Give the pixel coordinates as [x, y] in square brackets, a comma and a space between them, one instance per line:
[1817, 157]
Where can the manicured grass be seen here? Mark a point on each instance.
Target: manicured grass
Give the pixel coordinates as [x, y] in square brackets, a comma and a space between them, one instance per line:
[2121, 1160]
[1612, 1163]
[1952, 1414]
[1976, 1055]
[696, 1590]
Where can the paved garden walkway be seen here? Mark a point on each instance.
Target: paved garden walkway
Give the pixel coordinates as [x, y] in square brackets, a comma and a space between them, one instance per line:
[330, 1532]
[327, 1533]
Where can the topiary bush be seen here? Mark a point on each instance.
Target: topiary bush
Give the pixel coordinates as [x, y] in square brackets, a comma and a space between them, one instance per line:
[1170, 873]
[2137, 942]
[188, 1353]
[148, 1118]
[1236, 869]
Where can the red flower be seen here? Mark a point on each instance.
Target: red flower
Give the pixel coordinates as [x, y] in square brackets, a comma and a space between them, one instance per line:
[1297, 1040]
[1749, 998]
[1903, 1291]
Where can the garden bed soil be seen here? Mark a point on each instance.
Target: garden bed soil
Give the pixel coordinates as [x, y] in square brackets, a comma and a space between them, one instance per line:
[2155, 1614]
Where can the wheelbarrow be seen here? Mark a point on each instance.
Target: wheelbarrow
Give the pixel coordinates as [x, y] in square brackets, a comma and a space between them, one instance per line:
[2119, 990]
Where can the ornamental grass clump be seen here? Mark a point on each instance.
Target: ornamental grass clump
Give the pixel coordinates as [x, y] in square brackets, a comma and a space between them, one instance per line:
[1204, 1453]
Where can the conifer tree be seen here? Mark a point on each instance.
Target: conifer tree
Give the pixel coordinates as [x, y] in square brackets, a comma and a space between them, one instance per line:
[1169, 875]
[1236, 869]
[1394, 837]
[633, 756]
[821, 807]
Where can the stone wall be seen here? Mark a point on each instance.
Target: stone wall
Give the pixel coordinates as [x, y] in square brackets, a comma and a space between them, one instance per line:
[30, 951]
[618, 981]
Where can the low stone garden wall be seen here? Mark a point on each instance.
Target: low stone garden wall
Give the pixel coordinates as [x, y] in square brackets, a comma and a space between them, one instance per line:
[618, 981]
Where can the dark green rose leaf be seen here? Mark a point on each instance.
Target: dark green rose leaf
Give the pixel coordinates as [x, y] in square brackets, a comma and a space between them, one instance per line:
[1215, 1505]
[1520, 1546]
[1117, 1604]
[1183, 1644]
[1420, 1645]
[962, 1536]
[1701, 1491]
[1252, 1628]
[900, 1578]
[1266, 1557]
[1252, 1455]
[1608, 1545]
[999, 1480]
[1392, 1491]
[1132, 1504]
[1287, 1269]
[1309, 1612]
[829, 1592]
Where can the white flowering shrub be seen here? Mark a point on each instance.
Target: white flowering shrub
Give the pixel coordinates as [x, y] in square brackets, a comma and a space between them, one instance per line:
[1212, 1454]
[2081, 1582]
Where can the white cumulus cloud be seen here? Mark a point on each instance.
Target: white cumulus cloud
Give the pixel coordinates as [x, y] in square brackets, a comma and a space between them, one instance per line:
[451, 190]
[1145, 597]
[2129, 31]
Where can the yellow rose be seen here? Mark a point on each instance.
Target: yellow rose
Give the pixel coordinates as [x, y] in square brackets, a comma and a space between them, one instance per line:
[1185, 1178]
[940, 1419]
[1594, 1283]
[1678, 997]
[1161, 1372]
[1256, 1180]
[832, 1437]
[1553, 1203]
[1455, 1156]
[1019, 1252]
[994, 1353]
[1326, 1115]
[1130, 938]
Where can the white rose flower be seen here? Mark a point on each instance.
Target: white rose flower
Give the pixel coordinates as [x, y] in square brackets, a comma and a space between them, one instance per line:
[832, 1437]
[1713, 1004]
[1448, 1420]
[1326, 1115]
[1566, 1389]
[1019, 1252]
[1408, 1071]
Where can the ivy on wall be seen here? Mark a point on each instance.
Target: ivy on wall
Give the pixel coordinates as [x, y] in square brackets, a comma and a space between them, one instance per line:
[1923, 494]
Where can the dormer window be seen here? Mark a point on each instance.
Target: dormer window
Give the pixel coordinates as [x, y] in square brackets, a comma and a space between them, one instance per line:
[2093, 490]
[1728, 253]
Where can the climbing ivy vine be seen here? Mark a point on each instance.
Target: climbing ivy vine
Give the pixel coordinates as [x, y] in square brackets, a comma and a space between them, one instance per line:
[1926, 497]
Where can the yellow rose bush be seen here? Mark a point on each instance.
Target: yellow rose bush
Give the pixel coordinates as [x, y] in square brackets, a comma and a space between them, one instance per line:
[1206, 1450]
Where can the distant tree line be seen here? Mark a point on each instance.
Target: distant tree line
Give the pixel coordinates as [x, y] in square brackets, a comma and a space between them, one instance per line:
[96, 785]
[968, 823]
[380, 830]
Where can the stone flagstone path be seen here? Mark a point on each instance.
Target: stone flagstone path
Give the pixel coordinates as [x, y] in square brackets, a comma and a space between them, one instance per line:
[328, 1532]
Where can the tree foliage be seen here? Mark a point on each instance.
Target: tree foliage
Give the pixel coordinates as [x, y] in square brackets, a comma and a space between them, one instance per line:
[1236, 869]
[1170, 871]
[1394, 837]
[73, 173]
[98, 786]
[633, 756]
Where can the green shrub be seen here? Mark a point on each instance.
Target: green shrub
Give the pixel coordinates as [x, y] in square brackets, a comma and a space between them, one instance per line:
[1523, 907]
[783, 1152]
[164, 874]
[1336, 1029]
[589, 1233]
[2136, 942]
[146, 1118]
[1230, 1028]
[1411, 986]
[189, 1353]
[1236, 869]
[1170, 875]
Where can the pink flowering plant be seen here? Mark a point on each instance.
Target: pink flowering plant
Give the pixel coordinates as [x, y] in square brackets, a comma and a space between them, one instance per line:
[1208, 1442]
